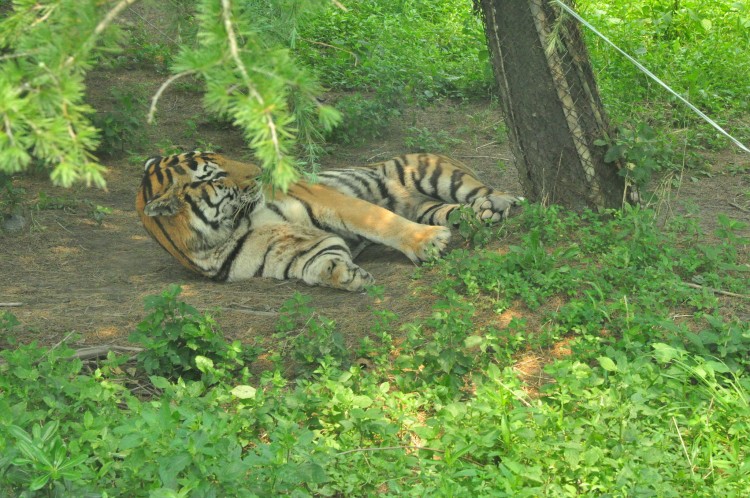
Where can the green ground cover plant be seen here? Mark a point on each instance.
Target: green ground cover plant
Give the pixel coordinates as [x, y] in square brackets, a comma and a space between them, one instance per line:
[696, 48]
[643, 404]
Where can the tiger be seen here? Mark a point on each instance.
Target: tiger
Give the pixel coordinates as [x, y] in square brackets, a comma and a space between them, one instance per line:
[217, 218]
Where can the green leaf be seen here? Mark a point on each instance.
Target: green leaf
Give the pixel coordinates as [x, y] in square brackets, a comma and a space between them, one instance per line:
[74, 462]
[361, 401]
[313, 472]
[473, 341]
[19, 433]
[130, 441]
[607, 364]
[88, 419]
[244, 392]
[59, 453]
[455, 454]
[159, 382]
[665, 353]
[204, 364]
[614, 153]
[50, 429]
[33, 453]
[718, 366]
[39, 482]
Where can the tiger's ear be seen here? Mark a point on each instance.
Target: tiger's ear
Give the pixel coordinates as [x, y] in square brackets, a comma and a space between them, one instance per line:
[167, 204]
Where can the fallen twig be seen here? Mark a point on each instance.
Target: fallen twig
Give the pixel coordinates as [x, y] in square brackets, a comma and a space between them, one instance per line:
[90, 353]
[743, 209]
[514, 394]
[55, 346]
[244, 309]
[10, 305]
[717, 291]
[94, 352]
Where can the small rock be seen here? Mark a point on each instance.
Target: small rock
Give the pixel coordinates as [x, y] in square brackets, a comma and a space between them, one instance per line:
[14, 223]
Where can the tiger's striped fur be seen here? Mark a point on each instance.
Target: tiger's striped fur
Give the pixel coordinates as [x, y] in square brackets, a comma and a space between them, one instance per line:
[214, 217]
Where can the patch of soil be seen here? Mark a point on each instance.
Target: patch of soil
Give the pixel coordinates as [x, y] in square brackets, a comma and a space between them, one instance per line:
[73, 274]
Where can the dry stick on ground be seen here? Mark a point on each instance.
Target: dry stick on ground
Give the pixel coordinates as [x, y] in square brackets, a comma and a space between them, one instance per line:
[10, 305]
[55, 346]
[3, 362]
[514, 394]
[718, 291]
[93, 352]
[739, 207]
[102, 351]
[244, 309]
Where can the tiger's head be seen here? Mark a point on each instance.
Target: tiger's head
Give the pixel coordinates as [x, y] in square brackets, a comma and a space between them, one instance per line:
[203, 181]
[194, 201]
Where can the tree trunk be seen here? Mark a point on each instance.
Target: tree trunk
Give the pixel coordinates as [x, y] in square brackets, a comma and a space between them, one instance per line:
[552, 106]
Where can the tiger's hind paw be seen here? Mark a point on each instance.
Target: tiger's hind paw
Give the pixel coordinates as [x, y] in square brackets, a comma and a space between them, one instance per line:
[345, 275]
[494, 207]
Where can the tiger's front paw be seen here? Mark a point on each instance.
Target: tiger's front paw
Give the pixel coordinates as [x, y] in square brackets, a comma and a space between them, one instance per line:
[494, 207]
[428, 244]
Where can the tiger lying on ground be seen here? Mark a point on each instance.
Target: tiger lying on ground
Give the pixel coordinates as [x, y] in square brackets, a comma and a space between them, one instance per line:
[213, 215]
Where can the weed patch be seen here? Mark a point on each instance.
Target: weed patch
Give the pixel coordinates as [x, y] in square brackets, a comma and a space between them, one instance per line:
[645, 403]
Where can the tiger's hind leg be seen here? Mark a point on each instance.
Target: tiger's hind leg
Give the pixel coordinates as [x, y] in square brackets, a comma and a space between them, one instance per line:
[434, 212]
[488, 208]
[431, 187]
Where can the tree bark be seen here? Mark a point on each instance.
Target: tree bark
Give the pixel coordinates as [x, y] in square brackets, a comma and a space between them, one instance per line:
[552, 106]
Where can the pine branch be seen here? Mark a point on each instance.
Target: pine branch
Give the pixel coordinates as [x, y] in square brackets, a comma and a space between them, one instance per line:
[234, 51]
[99, 29]
[111, 15]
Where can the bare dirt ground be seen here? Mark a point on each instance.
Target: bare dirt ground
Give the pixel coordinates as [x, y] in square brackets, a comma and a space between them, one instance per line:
[68, 273]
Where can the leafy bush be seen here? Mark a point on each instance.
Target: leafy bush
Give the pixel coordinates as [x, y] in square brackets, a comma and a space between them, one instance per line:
[424, 140]
[181, 342]
[417, 48]
[123, 124]
[693, 46]
[312, 339]
[364, 118]
[11, 196]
